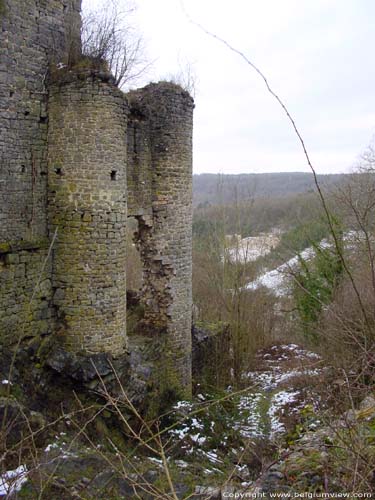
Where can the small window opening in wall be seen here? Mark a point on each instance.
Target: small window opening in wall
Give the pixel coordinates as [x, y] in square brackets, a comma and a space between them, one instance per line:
[113, 175]
[11, 93]
[58, 171]
[23, 169]
[26, 113]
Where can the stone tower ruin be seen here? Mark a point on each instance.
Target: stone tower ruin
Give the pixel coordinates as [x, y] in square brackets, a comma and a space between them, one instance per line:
[77, 158]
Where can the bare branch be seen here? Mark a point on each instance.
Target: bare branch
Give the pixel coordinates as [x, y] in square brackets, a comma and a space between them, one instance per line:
[108, 36]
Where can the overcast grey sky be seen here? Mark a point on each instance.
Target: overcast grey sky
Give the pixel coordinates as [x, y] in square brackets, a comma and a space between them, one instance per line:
[316, 54]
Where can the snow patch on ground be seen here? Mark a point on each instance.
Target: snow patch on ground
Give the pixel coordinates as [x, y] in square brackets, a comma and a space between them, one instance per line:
[12, 480]
[276, 372]
[50, 447]
[278, 279]
[278, 403]
[262, 412]
[61, 448]
[250, 423]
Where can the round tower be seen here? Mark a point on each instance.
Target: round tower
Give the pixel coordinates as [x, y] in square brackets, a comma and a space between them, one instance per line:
[165, 243]
[88, 209]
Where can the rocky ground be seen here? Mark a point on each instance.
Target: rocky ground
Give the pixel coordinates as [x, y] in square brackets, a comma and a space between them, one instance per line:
[269, 437]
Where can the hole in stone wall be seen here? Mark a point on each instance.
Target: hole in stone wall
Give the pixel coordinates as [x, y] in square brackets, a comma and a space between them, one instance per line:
[11, 93]
[23, 169]
[26, 113]
[58, 171]
[43, 119]
[113, 175]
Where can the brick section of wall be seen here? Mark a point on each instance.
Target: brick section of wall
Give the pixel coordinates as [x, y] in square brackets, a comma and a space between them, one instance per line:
[87, 203]
[25, 299]
[33, 32]
[165, 239]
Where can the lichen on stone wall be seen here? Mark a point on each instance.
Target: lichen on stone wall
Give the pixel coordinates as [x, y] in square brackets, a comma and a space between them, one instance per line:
[87, 202]
[32, 33]
[26, 291]
[2, 8]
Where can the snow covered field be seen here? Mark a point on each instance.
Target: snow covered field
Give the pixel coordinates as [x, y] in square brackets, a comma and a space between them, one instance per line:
[251, 248]
[278, 279]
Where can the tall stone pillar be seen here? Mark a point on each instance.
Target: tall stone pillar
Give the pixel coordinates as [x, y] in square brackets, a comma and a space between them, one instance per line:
[165, 239]
[87, 205]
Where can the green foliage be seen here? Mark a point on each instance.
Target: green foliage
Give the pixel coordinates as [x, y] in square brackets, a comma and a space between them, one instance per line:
[316, 282]
[307, 419]
[304, 234]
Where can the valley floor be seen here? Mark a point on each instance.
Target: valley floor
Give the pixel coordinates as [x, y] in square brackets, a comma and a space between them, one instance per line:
[269, 437]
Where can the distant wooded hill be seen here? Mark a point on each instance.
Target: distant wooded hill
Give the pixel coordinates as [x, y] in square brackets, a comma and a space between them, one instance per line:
[214, 189]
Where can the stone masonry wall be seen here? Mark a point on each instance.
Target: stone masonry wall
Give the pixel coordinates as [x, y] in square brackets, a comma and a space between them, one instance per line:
[33, 32]
[25, 292]
[165, 239]
[87, 204]
[139, 171]
[75, 161]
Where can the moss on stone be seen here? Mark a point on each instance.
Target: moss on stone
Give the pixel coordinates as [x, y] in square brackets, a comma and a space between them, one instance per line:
[16, 246]
[167, 387]
[2, 8]
[5, 247]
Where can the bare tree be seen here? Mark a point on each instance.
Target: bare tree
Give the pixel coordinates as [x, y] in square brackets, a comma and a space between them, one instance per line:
[108, 35]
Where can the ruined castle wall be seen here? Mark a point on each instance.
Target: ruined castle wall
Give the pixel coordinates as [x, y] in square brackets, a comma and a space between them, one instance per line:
[139, 171]
[165, 239]
[25, 298]
[88, 207]
[33, 32]
[75, 161]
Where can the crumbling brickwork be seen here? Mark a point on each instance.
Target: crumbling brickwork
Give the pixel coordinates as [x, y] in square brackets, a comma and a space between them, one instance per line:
[78, 157]
[164, 143]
